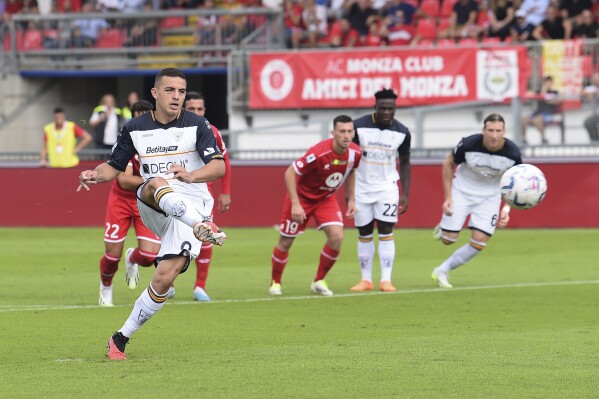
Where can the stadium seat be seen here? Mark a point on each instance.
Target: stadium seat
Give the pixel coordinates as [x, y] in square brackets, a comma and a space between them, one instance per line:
[32, 40]
[587, 66]
[483, 18]
[426, 28]
[425, 43]
[172, 22]
[430, 8]
[491, 40]
[110, 38]
[445, 43]
[447, 8]
[443, 24]
[468, 42]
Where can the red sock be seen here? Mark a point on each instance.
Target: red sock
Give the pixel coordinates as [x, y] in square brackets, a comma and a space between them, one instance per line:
[108, 267]
[142, 258]
[328, 257]
[202, 265]
[279, 261]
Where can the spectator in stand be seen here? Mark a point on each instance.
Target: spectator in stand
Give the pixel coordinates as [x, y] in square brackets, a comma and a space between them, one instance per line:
[407, 9]
[521, 30]
[360, 15]
[553, 26]
[231, 26]
[127, 6]
[547, 106]
[572, 9]
[587, 28]
[501, 18]
[376, 35]
[462, 22]
[343, 35]
[87, 30]
[535, 10]
[314, 18]
[591, 123]
[13, 7]
[144, 31]
[67, 6]
[206, 25]
[107, 5]
[293, 23]
[400, 33]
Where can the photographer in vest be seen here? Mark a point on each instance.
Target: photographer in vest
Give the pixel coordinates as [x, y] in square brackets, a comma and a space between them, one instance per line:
[62, 141]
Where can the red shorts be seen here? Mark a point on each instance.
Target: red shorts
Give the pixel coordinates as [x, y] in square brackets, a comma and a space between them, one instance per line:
[326, 212]
[120, 212]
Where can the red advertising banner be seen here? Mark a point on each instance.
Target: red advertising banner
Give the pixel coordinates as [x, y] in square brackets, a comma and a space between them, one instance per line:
[349, 79]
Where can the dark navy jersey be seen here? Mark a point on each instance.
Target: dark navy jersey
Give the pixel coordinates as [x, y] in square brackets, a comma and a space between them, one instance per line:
[187, 140]
[479, 170]
[380, 149]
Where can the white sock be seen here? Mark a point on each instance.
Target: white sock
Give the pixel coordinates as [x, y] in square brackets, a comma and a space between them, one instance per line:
[386, 255]
[460, 257]
[365, 255]
[145, 307]
[177, 205]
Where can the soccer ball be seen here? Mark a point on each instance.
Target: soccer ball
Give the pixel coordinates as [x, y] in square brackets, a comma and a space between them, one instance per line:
[523, 186]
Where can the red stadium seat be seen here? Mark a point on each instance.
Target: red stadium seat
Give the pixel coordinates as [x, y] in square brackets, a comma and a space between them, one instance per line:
[443, 24]
[468, 42]
[483, 18]
[430, 8]
[426, 28]
[491, 40]
[445, 43]
[32, 40]
[425, 43]
[447, 8]
[172, 22]
[587, 66]
[110, 38]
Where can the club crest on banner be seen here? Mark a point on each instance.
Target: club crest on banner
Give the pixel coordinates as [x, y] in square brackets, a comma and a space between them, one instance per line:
[276, 79]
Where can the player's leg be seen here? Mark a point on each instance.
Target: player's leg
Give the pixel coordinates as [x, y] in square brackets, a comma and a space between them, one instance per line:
[364, 222]
[484, 214]
[159, 194]
[329, 219]
[148, 245]
[450, 226]
[117, 222]
[202, 266]
[386, 216]
[288, 231]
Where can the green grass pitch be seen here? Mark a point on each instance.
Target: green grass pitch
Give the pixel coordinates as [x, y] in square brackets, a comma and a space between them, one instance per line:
[522, 322]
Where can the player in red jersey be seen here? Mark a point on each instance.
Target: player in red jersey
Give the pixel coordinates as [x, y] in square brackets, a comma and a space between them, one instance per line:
[121, 211]
[194, 102]
[311, 182]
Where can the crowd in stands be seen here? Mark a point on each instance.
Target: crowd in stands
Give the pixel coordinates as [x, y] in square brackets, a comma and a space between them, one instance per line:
[320, 23]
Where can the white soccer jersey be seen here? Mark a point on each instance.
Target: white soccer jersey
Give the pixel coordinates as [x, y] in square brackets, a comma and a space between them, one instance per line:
[380, 148]
[188, 141]
[480, 170]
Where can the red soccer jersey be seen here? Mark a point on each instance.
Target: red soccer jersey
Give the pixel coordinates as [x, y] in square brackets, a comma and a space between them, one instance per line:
[226, 179]
[321, 171]
[119, 190]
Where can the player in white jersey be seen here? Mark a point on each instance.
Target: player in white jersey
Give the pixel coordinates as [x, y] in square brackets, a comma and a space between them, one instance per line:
[383, 141]
[178, 155]
[480, 159]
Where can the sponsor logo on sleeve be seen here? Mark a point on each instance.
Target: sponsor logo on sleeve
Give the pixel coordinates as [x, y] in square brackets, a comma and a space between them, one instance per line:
[310, 158]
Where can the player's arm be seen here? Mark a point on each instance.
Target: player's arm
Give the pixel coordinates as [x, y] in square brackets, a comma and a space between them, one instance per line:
[405, 174]
[447, 173]
[297, 211]
[101, 174]
[128, 181]
[224, 199]
[350, 189]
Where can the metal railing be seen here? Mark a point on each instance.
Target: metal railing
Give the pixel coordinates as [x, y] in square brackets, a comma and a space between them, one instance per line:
[182, 38]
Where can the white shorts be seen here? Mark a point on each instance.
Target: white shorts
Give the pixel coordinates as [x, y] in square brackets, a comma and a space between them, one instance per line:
[175, 236]
[483, 211]
[380, 205]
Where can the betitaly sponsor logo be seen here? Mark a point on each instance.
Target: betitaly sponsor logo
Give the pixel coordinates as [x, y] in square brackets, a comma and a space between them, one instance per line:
[160, 149]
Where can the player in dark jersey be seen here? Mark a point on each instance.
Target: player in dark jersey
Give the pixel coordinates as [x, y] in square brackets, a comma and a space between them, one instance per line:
[481, 160]
[178, 155]
[121, 212]
[311, 182]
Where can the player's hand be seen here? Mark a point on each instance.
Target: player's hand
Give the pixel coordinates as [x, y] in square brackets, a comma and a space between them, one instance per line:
[402, 206]
[224, 202]
[447, 207]
[86, 179]
[351, 209]
[180, 173]
[504, 219]
[297, 213]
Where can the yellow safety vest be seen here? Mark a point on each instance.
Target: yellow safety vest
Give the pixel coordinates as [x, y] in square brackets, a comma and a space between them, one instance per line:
[61, 145]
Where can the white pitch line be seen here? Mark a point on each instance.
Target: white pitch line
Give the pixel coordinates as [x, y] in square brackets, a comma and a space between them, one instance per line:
[28, 308]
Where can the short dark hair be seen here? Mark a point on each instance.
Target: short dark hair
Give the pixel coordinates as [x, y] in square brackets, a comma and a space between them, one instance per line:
[341, 119]
[171, 72]
[494, 118]
[194, 95]
[141, 107]
[58, 110]
[385, 94]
